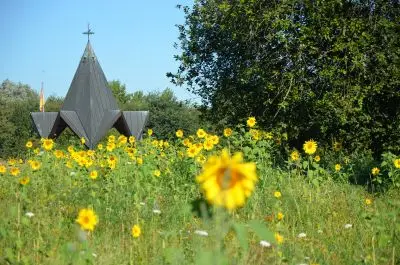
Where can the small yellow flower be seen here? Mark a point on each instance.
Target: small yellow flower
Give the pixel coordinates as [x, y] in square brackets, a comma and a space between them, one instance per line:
[227, 132]
[3, 169]
[295, 155]
[149, 132]
[136, 231]
[15, 171]
[100, 146]
[186, 142]
[179, 133]
[310, 147]
[110, 146]
[337, 146]
[279, 238]
[201, 133]
[83, 141]
[214, 139]
[368, 201]
[277, 194]
[93, 174]
[24, 181]
[192, 151]
[280, 216]
[317, 158]
[338, 167]
[35, 165]
[157, 173]
[87, 219]
[131, 139]
[139, 161]
[58, 154]
[208, 144]
[71, 149]
[396, 163]
[47, 144]
[29, 144]
[375, 171]
[251, 121]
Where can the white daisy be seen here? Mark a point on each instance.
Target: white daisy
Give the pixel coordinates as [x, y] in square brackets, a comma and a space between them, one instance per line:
[301, 235]
[30, 214]
[201, 232]
[265, 244]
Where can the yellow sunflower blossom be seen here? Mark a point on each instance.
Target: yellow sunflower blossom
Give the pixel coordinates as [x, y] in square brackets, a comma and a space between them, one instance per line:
[131, 139]
[35, 165]
[136, 231]
[58, 154]
[317, 158]
[338, 167]
[93, 174]
[201, 133]
[375, 171]
[396, 163]
[87, 219]
[83, 141]
[111, 139]
[208, 144]
[279, 238]
[251, 122]
[3, 169]
[295, 155]
[368, 201]
[337, 146]
[24, 181]
[15, 171]
[29, 144]
[280, 216]
[179, 133]
[100, 146]
[149, 132]
[47, 144]
[227, 181]
[157, 173]
[227, 132]
[277, 194]
[310, 147]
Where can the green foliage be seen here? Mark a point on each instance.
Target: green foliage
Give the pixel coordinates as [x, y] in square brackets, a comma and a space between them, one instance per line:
[321, 69]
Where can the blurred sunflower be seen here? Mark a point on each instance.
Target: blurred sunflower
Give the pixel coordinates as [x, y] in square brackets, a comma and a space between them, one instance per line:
[201, 133]
[24, 181]
[15, 171]
[227, 132]
[3, 169]
[47, 144]
[295, 155]
[29, 144]
[310, 147]
[87, 219]
[179, 133]
[375, 171]
[136, 231]
[227, 181]
[251, 121]
[396, 163]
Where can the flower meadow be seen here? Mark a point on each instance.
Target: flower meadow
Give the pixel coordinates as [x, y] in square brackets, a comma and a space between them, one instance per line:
[237, 196]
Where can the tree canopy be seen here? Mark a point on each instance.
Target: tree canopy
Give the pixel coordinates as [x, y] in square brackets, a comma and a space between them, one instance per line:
[319, 69]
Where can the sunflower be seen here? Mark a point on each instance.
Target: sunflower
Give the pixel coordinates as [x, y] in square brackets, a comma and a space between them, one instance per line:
[338, 167]
[227, 132]
[280, 216]
[375, 171]
[87, 219]
[396, 163]
[35, 165]
[100, 146]
[58, 154]
[131, 139]
[208, 144]
[317, 158]
[227, 181]
[201, 133]
[310, 147]
[279, 238]
[251, 122]
[93, 174]
[3, 169]
[24, 181]
[295, 155]
[15, 171]
[277, 194]
[157, 173]
[29, 144]
[83, 141]
[136, 231]
[179, 133]
[149, 132]
[47, 144]
[368, 201]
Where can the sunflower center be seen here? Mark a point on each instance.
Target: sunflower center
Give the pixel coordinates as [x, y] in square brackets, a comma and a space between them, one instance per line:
[86, 219]
[227, 178]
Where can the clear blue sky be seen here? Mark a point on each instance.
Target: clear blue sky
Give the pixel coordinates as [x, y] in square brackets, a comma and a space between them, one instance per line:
[43, 41]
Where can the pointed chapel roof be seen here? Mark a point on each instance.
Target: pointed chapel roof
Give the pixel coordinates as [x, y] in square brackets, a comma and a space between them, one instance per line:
[89, 96]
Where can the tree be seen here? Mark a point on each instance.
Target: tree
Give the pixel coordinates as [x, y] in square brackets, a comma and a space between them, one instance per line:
[119, 91]
[321, 69]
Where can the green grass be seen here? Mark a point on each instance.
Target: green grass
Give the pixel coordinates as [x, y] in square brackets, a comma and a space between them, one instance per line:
[128, 195]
